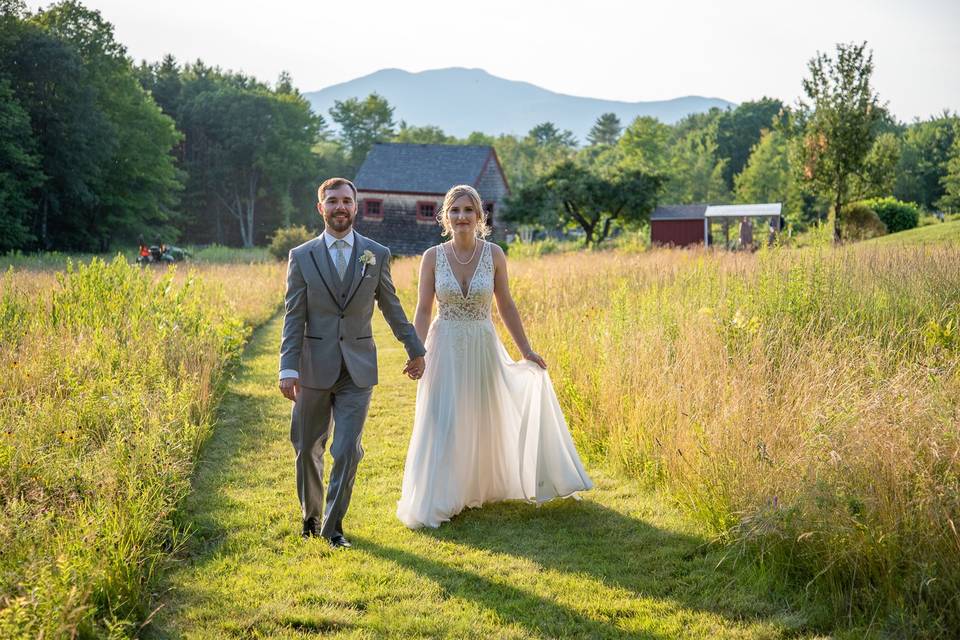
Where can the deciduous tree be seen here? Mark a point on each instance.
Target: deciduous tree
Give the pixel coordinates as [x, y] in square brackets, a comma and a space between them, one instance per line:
[570, 194]
[739, 129]
[363, 123]
[843, 112]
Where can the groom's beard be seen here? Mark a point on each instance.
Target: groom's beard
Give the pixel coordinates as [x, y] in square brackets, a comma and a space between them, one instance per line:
[339, 222]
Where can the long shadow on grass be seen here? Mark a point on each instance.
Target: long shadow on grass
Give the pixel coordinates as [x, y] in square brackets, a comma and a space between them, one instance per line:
[512, 605]
[584, 537]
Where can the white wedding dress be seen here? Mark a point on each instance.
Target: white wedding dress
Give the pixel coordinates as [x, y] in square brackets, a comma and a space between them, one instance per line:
[486, 428]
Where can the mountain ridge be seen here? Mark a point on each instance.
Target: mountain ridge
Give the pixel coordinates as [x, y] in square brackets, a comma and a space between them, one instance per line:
[457, 99]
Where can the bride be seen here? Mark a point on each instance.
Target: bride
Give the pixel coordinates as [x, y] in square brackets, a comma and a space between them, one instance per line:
[486, 428]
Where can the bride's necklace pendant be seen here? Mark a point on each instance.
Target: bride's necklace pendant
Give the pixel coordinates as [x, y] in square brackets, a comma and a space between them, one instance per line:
[476, 245]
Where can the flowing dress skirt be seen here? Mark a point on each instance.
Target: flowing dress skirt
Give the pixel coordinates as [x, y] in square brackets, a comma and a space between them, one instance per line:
[486, 429]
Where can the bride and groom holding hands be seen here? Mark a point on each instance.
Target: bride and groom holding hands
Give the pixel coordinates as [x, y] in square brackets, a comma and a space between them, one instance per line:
[486, 428]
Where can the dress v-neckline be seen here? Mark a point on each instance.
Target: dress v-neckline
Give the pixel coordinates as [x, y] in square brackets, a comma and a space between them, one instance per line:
[476, 268]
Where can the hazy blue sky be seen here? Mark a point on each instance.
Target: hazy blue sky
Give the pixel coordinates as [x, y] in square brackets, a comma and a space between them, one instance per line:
[602, 48]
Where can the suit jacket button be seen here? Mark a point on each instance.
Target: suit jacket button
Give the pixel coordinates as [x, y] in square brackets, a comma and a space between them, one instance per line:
[341, 338]
[341, 316]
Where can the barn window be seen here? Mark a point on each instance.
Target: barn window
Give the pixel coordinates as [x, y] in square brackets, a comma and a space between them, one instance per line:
[426, 210]
[372, 209]
[488, 209]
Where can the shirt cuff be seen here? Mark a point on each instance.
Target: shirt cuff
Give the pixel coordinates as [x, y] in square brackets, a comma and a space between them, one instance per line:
[289, 373]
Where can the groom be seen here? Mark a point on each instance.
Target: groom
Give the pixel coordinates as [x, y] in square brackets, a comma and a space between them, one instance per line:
[328, 360]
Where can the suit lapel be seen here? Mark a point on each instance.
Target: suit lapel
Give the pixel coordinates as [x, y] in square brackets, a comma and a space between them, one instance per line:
[321, 260]
[354, 266]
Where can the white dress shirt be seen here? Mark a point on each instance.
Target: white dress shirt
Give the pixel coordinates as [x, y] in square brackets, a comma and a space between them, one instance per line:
[347, 250]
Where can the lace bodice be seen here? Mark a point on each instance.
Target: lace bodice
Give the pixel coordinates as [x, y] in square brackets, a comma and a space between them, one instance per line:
[454, 305]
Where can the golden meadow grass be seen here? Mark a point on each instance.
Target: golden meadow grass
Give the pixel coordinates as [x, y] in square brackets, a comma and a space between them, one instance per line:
[803, 405]
[110, 376]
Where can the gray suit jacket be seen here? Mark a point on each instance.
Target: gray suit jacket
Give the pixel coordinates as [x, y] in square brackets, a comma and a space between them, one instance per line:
[328, 322]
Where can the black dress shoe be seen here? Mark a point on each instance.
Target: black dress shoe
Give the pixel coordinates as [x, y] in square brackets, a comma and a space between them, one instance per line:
[339, 542]
[311, 527]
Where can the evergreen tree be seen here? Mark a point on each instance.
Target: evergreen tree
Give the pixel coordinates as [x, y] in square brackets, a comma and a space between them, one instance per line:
[606, 130]
[547, 135]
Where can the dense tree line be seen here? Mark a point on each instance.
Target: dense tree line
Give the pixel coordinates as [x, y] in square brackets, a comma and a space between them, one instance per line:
[84, 151]
[95, 152]
[246, 152]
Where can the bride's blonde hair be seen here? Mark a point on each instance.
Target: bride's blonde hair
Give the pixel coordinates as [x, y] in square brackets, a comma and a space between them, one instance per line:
[443, 216]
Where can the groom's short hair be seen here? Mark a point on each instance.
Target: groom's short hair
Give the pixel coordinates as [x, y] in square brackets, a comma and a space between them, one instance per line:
[333, 183]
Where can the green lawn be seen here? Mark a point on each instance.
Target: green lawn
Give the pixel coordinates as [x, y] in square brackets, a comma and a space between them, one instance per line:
[620, 563]
[945, 232]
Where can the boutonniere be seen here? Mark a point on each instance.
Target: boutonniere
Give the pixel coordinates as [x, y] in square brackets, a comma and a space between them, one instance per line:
[367, 259]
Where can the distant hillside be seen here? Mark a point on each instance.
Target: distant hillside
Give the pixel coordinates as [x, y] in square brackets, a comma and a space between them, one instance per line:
[460, 101]
[939, 233]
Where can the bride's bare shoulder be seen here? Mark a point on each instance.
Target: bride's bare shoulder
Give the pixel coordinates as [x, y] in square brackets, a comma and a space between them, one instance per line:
[497, 253]
[430, 255]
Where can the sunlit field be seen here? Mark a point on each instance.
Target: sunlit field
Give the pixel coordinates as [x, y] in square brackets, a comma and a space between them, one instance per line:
[803, 406]
[111, 373]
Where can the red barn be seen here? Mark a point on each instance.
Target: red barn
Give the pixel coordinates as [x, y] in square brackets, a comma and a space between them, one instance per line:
[678, 224]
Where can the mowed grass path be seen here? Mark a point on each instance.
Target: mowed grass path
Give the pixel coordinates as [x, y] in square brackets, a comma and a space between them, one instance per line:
[621, 563]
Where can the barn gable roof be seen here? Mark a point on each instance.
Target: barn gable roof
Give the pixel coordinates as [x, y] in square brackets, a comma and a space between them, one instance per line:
[679, 212]
[422, 168]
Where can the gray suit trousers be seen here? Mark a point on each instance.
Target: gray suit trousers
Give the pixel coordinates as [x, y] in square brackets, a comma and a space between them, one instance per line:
[342, 407]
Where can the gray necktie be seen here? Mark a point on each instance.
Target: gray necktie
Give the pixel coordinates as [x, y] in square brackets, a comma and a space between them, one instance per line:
[341, 260]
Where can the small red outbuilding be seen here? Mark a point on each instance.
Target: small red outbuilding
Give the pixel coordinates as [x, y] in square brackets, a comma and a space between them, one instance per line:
[681, 225]
[677, 224]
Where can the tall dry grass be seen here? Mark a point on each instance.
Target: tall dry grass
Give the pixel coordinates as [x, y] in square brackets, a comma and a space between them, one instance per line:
[804, 405]
[110, 377]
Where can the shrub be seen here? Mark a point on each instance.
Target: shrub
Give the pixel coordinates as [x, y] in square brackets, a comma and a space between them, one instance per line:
[897, 215]
[860, 222]
[288, 238]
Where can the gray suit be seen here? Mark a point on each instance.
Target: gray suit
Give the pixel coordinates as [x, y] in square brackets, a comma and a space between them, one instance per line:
[328, 339]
